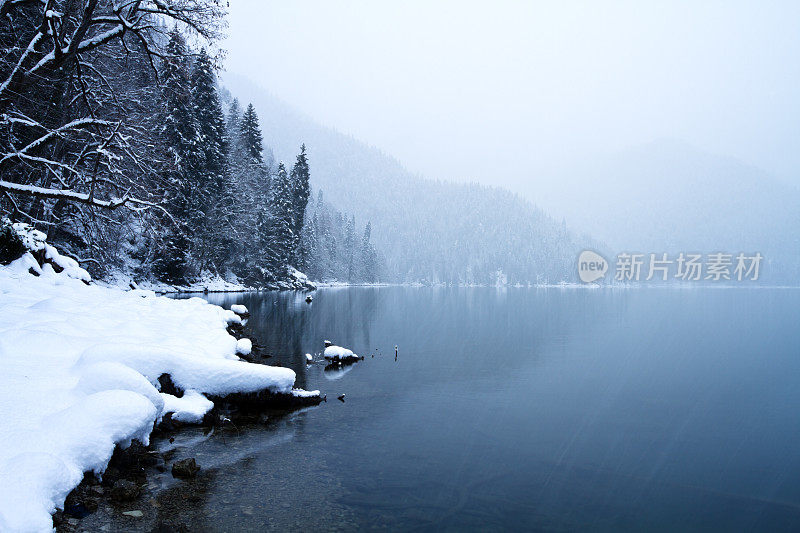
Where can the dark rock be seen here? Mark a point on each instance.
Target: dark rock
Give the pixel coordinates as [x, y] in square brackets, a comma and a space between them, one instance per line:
[235, 329]
[78, 510]
[258, 401]
[11, 246]
[125, 491]
[110, 476]
[167, 386]
[185, 468]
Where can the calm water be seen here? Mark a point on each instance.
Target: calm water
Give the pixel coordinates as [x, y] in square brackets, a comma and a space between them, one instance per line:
[517, 409]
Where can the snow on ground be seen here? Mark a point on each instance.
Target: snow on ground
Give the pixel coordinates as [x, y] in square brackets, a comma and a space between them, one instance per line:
[208, 282]
[79, 366]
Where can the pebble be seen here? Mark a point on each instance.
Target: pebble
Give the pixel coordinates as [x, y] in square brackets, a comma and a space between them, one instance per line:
[185, 468]
[134, 514]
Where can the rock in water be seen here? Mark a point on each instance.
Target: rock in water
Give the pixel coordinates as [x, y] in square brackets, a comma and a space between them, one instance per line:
[240, 310]
[185, 468]
[337, 353]
[125, 491]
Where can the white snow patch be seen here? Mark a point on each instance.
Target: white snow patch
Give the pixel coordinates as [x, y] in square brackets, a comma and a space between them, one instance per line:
[239, 309]
[244, 346]
[337, 353]
[190, 408]
[300, 393]
[78, 368]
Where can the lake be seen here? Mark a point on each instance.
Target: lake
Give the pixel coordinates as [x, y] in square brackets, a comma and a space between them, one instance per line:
[508, 409]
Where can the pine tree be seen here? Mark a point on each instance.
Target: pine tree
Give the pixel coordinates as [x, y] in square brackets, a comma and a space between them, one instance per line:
[251, 134]
[212, 177]
[280, 236]
[301, 190]
[251, 186]
[179, 134]
[350, 248]
[308, 246]
[369, 256]
[234, 119]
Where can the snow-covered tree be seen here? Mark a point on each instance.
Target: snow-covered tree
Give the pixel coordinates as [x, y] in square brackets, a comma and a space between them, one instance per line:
[180, 135]
[299, 181]
[65, 134]
[212, 178]
[280, 235]
[251, 134]
[369, 258]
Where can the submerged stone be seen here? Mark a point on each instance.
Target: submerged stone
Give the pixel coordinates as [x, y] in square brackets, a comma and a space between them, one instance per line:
[185, 468]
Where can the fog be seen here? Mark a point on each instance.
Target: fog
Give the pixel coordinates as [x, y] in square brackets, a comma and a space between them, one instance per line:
[506, 93]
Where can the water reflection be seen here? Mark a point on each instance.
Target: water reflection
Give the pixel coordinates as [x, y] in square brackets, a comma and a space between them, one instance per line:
[528, 409]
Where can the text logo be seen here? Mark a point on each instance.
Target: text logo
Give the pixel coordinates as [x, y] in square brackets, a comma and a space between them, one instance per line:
[591, 266]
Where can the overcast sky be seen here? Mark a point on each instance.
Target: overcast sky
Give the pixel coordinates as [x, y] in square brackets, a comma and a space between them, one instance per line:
[496, 91]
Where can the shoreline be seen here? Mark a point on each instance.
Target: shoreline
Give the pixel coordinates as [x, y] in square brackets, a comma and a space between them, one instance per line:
[87, 369]
[125, 482]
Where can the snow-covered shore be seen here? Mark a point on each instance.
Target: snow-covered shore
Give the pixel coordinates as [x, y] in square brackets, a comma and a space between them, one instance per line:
[297, 281]
[79, 367]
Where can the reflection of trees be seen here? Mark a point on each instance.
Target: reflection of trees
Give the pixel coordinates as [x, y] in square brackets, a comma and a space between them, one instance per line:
[472, 329]
[287, 327]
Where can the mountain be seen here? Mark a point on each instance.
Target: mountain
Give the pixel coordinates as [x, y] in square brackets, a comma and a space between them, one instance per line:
[428, 230]
[667, 196]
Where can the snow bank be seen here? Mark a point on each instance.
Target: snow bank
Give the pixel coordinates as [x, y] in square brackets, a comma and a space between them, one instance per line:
[337, 353]
[79, 368]
[34, 240]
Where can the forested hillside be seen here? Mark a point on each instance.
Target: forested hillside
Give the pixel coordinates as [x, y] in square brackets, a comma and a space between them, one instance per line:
[429, 231]
[114, 142]
[117, 141]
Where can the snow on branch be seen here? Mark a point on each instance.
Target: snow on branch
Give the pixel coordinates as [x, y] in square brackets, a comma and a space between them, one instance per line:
[64, 132]
[74, 196]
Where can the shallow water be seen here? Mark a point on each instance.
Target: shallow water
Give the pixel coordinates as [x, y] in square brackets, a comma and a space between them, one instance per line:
[548, 409]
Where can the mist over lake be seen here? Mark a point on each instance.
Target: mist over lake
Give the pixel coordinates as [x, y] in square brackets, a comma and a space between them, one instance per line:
[443, 266]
